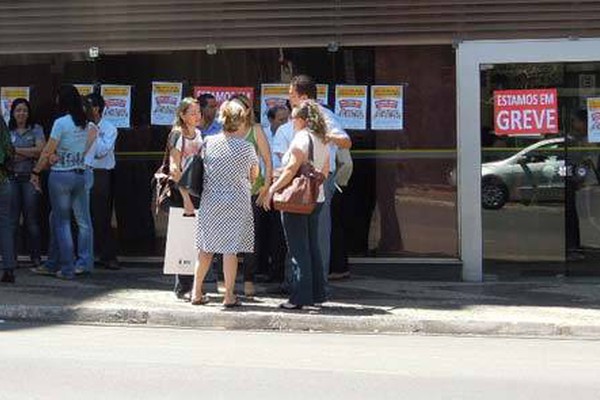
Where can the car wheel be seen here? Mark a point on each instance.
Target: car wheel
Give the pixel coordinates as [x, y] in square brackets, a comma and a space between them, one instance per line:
[493, 195]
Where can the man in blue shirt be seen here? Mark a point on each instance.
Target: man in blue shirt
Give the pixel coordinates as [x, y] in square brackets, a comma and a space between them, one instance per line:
[208, 107]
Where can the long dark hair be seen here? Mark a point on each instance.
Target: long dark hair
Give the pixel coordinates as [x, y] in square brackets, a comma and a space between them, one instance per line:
[69, 101]
[12, 122]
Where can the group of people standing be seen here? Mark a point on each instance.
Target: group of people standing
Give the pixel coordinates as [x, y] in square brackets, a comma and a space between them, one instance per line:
[235, 212]
[80, 156]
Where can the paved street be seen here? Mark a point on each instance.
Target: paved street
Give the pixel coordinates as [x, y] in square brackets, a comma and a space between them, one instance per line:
[74, 362]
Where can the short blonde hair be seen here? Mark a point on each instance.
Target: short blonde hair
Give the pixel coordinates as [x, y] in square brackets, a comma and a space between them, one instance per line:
[233, 115]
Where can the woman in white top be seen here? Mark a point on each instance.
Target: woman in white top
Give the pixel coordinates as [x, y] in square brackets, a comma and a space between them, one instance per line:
[184, 141]
[301, 231]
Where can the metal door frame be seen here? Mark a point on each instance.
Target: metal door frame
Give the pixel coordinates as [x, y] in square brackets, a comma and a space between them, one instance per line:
[470, 56]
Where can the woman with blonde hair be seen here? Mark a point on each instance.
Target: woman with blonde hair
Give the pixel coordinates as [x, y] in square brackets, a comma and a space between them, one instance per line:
[308, 285]
[184, 141]
[225, 224]
[256, 136]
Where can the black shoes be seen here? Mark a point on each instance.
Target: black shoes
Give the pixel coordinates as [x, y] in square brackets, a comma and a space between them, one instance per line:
[8, 276]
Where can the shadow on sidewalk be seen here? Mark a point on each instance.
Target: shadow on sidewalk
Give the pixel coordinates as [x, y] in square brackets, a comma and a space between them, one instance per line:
[373, 290]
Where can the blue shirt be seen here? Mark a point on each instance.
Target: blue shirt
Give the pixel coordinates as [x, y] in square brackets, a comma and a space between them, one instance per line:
[28, 139]
[71, 144]
[214, 128]
[101, 154]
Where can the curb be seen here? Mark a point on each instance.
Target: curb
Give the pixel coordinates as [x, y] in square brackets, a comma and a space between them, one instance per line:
[290, 321]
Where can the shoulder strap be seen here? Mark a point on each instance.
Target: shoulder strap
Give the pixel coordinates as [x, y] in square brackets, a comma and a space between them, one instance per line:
[311, 149]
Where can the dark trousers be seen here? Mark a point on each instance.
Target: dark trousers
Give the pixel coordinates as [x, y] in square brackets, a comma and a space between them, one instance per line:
[269, 245]
[572, 237]
[308, 284]
[26, 201]
[102, 211]
[338, 262]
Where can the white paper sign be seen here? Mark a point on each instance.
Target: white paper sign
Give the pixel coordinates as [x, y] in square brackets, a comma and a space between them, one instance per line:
[180, 253]
[271, 95]
[593, 111]
[323, 94]
[166, 97]
[351, 106]
[118, 104]
[8, 95]
[387, 107]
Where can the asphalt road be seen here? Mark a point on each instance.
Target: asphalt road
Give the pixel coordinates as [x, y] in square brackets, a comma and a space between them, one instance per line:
[75, 362]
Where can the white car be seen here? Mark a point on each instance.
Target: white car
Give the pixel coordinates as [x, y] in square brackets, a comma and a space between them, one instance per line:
[535, 173]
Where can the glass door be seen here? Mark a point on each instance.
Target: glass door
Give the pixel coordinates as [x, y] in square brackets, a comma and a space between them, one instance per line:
[540, 148]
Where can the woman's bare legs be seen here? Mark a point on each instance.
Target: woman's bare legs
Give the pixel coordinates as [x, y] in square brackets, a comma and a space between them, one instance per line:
[230, 264]
[202, 265]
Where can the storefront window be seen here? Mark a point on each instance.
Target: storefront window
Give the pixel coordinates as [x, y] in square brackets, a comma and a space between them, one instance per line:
[401, 199]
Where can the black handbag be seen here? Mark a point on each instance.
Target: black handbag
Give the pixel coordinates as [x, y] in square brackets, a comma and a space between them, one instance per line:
[192, 177]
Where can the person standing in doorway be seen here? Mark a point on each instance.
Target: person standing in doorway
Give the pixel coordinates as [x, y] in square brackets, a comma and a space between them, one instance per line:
[70, 139]
[101, 158]
[28, 141]
[302, 88]
[225, 224]
[275, 248]
[257, 137]
[308, 281]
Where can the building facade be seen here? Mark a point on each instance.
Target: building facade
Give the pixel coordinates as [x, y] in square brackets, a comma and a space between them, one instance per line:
[416, 193]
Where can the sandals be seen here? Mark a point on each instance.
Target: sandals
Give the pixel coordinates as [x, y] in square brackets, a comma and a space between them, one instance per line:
[236, 303]
[200, 300]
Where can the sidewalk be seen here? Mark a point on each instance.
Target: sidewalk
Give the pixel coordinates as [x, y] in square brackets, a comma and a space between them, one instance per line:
[374, 300]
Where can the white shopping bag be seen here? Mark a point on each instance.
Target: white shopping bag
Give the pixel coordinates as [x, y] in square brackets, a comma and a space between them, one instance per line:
[180, 253]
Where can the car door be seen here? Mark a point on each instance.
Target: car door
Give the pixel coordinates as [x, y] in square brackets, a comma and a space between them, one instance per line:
[541, 173]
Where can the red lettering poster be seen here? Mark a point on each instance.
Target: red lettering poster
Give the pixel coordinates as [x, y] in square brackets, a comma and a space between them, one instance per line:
[223, 93]
[525, 112]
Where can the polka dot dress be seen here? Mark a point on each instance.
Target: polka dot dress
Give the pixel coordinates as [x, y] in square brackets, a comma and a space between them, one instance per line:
[225, 223]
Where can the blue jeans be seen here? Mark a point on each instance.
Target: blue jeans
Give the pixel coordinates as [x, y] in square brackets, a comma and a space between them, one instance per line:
[26, 201]
[308, 285]
[7, 243]
[69, 192]
[325, 223]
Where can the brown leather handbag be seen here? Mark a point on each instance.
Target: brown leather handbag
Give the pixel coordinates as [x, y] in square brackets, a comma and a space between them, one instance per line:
[300, 195]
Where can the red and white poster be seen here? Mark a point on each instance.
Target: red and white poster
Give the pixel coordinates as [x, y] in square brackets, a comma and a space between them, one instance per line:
[165, 99]
[387, 107]
[271, 95]
[118, 104]
[593, 110]
[525, 112]
[223, 93]
[351, 106]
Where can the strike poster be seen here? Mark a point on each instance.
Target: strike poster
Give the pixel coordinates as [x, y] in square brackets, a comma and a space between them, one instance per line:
[271, 95]
[323, 94]
[165, 99]
[8, 95]
[351, 106]
[593, 109]
[223, 93]
[387, 107]
[525, 112]
[118, 104]
[84, 89]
